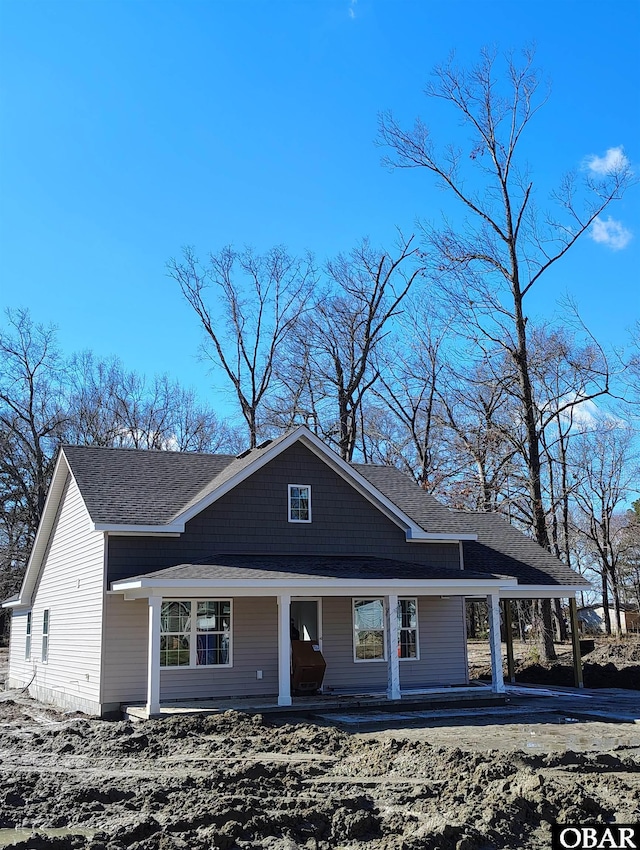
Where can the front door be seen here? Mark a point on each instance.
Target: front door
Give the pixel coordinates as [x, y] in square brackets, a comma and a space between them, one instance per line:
[305, 620]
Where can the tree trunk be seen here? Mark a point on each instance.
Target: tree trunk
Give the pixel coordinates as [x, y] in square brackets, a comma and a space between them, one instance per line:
[521, 358]
[546, 630]
[605, 602]
[560, 622]
[471, 621]
[616, 598]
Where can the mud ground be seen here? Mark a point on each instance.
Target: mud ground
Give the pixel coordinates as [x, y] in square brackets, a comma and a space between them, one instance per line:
[235, 781]
[613, 663]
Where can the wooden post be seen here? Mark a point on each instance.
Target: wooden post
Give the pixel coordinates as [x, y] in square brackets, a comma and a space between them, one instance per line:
[575, 640]
[508, 636]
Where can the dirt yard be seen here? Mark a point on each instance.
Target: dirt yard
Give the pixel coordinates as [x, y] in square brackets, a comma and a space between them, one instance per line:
[234, 781]
[613, 663]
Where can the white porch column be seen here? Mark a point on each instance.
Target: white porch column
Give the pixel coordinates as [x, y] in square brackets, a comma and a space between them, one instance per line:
[497, 680]
[284, 649]
[393, 663]
[153, 660]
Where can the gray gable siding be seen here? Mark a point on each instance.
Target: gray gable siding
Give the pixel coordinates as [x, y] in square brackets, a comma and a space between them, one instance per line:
[252, 518]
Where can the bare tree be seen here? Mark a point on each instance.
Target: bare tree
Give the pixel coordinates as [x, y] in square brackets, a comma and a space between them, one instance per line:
[505, 245]
[477, 407]
[407, 431]
[567, 373]
[338, 338]
[32, 415]
[492, 260]
[606, 468]
[258, 299]
[629, 567]
[111, 406]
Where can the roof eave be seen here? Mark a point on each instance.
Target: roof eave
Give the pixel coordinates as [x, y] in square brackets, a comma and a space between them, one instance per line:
[150, 586]
[545, 591]
[61, 471]
[434, 537]
[13, 604]
[174, 528]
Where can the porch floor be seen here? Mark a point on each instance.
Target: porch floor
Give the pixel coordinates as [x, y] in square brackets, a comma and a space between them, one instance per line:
[474, 695]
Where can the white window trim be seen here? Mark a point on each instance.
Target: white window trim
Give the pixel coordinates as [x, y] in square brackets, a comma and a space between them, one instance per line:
[382, 599]
[289, 488]
[416, 630]
[193, 652]
[28, 636]
[44, 655]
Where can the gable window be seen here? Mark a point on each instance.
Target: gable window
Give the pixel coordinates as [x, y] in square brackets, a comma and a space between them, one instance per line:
[408, 628]
[369, 631]
[299, 503]
[45, 634]
[27, 642]
[195, 633]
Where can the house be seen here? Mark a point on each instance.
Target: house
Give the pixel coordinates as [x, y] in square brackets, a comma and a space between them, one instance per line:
[591, 618]
[159, 576]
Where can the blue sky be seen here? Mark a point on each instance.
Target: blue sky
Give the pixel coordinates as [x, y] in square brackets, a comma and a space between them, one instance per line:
[129, 129]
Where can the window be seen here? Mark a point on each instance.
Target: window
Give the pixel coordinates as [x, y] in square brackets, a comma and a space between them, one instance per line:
[27, 643]
[299, 503]
[175, 634]
[369, 632]
[408, 628]
[369, 629]
[45, 634]
[213, 630]
[195, 633]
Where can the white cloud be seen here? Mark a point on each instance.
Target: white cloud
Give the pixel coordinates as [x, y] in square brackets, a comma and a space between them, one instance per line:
[352, 11]
[614, 160]
[609, 232]
[585, 415]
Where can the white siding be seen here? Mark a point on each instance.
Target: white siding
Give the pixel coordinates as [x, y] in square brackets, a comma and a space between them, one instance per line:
[20, 670]
[125, 650]
[70, 586]
[442, 639]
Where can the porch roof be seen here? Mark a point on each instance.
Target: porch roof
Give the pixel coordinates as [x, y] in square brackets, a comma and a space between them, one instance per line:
[353, 568]
[323, 573]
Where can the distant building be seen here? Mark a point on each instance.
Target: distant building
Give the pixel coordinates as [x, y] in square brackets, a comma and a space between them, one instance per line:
[591, 619]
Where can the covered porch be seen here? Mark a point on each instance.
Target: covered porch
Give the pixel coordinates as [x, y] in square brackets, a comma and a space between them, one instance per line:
[392, 672]
[475, 695]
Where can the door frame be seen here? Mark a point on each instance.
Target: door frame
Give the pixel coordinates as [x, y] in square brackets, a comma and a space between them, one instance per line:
[318, 601]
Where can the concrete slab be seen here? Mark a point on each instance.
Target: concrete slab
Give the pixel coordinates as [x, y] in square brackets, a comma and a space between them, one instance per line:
[306, 706]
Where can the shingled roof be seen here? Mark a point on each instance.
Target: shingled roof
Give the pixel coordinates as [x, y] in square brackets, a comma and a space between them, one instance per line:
[259, 567]
[500, 548]
[147, 487]
[152, 488]
[138, 487]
